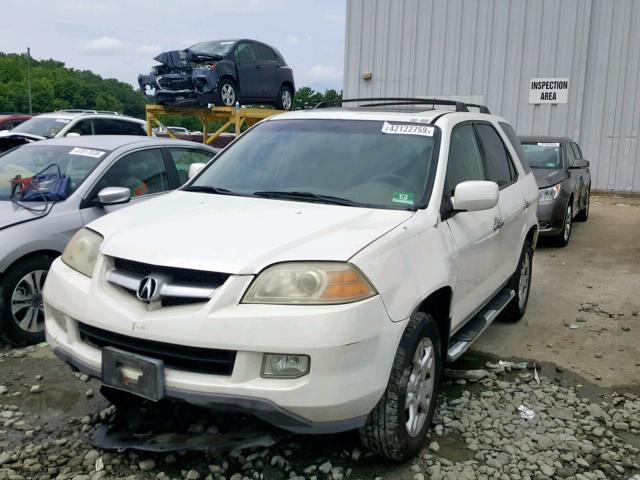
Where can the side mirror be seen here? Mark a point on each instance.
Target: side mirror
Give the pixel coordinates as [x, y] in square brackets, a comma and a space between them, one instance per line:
[114, 195]
[194, 169]
[580, 163]
[72, 134]
[475, 195]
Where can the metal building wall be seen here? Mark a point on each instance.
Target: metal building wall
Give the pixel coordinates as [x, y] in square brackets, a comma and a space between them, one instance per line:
[491, 49]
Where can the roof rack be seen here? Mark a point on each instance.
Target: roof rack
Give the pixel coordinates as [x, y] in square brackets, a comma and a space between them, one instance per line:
[77, 110]
[394, 101]
[109, 112]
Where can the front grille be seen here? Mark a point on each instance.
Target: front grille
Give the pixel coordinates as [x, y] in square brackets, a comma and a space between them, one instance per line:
[177, 357]
[199, 278]
[167, 83]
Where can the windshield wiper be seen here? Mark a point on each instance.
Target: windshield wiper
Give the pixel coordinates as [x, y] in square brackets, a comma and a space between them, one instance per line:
[208, 189]
[295, 195]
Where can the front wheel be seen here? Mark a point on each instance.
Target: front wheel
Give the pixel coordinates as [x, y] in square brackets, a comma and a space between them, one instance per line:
[226, 93]
[398, 424]
[21, 307]
[583, 216]
[562, 238]
[520, 283]
[285, 98]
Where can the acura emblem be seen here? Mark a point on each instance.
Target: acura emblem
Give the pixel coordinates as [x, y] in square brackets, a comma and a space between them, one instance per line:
[148, 290]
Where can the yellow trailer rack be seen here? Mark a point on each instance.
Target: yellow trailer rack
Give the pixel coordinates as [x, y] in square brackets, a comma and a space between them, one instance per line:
[229, 115]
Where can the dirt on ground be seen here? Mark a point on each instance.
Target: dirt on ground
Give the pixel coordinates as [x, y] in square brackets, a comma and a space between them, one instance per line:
[581, 330]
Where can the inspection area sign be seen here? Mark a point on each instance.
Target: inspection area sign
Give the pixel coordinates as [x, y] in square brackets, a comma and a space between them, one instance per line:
[549, 90]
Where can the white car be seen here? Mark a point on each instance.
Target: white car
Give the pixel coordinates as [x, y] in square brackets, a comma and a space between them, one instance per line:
[318, 274]
[71, 123]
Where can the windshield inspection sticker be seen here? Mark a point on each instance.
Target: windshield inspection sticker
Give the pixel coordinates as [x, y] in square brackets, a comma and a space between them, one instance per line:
[406, 198]
[552, 144]
[86, 152]
[423, 130]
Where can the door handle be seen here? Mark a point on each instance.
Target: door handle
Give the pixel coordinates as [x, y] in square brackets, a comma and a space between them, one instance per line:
[498, 223]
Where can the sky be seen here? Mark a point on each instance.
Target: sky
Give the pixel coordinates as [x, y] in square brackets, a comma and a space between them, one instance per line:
[118, 38]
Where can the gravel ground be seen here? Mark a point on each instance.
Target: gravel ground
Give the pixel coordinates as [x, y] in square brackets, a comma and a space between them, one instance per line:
[577, 431]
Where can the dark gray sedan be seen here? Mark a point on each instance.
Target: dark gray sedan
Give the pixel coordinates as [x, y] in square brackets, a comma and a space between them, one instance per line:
[564, 183]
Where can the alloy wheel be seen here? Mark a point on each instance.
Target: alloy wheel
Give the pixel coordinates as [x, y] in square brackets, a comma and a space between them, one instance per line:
[420, 387]
[567, 223]
[228, 95]
[286, 99]
[523, 284]
[26, 302]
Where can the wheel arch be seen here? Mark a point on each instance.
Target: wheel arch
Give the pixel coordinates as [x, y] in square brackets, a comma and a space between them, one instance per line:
[438, 305]
[46, 252]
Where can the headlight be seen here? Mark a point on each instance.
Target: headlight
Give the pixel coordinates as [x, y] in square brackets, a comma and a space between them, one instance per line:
[550, 193]
[309, 283]
[82, 251]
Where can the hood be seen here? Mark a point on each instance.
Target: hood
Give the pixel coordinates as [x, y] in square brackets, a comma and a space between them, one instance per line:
[10, 140]
[174, 58]
[545, 177]
[12, 214]
[239, 235]
[12, 134]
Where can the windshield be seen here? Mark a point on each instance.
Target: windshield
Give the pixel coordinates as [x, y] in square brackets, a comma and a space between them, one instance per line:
[42, 126]
[543, 155]
[217, 48]
[348, 160]
[26, 161]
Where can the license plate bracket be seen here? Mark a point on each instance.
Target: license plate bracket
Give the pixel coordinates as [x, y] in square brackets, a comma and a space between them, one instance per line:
[133, 373]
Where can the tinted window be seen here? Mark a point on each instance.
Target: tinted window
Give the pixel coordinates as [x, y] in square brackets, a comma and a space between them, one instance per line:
[184, 157]
[465, 160]
[568, 151]
[131, 128]
[348, 159]
[143, 172]
[264, 52]
[515, 143]
[83, 127]
[497, 164]
[106, 126]
[245, 51]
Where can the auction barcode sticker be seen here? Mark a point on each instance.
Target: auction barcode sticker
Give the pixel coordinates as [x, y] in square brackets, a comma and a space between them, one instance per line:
[87, 152]
[424, 130]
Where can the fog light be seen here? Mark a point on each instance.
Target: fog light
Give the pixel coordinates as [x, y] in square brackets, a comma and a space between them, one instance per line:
[279, 365]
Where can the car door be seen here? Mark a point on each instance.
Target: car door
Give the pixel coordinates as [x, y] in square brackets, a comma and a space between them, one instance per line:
[183, 157]
[269, 70]
[499, 168]
[249, 71]
[473, 232]
[143, 171]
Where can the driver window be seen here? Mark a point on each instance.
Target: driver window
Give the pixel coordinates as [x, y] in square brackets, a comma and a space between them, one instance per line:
[142, 172]
[465, 160]
[83, 127]
[245, 52]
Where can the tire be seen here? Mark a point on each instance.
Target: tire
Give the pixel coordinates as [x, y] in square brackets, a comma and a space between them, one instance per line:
[21, 288]
[562, 239]
[520, 283]
[386, 431]
[583, 216]
[284, 101]
[227, 93]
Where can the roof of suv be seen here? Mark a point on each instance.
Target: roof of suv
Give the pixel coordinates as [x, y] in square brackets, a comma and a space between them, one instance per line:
[398, 114]
[72, 115]
[111, 142]
[544, 139]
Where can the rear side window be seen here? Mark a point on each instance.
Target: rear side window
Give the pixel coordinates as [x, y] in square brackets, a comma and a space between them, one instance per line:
[498, 166]
[104, 126]
[265, 53]
[184, 157]
[132, 128]
[465, 160]
[516, 144]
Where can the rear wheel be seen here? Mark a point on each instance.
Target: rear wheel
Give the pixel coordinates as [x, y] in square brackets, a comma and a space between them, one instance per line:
[520, 283]
[226, 93]
[21, 307]
[397, 426]
[583, 216]
[285, 98]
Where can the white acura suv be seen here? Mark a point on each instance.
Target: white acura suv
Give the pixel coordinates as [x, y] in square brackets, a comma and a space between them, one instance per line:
[318, 274]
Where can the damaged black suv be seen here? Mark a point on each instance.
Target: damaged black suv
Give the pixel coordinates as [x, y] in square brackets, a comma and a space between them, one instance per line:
[221, 72]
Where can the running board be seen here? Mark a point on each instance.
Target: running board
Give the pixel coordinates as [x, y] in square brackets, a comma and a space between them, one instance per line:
[464, 337]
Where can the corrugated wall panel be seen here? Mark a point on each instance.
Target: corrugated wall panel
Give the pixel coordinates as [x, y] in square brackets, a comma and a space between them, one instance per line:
[493, 48]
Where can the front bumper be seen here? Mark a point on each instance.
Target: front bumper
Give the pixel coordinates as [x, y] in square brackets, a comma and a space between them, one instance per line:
[180, 88]
[551, 215]
[351, 347]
